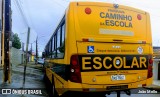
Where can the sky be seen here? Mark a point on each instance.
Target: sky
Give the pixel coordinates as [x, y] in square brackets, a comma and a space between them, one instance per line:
[42, 16]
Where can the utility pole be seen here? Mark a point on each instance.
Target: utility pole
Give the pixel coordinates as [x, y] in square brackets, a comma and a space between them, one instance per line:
[6, 22]
[23, 53]
[36, 50]
[31, 51]
[31, 48]
[26, 56]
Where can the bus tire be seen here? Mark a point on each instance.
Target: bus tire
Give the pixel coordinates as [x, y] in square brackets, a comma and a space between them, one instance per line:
[54, 92]
[44, 77]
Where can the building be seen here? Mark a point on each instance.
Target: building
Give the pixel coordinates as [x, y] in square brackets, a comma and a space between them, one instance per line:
[156, 60]
[33, 56]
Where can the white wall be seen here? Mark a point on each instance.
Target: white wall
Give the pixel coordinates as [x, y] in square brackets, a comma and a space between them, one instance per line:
[155, 70]
[16, 56]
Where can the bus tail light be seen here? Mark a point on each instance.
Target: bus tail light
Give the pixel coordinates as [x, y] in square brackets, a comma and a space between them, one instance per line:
[75, 74]
[150, 71]
[88, 10]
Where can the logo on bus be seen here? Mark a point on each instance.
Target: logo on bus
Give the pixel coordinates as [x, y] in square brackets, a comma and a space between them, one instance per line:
[140, 50]
[90, 49]
[115, 5]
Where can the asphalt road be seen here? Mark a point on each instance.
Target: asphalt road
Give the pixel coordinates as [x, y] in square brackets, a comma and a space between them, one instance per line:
[134, 93]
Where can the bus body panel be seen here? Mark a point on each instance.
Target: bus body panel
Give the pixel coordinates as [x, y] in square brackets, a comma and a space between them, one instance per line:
[110, 23]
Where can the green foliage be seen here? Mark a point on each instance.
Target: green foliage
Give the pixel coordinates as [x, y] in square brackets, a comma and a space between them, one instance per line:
[16, 41]
[61, 49]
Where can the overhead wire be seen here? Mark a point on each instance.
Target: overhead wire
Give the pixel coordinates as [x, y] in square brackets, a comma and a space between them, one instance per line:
[28, 11]
[21, 11]
[16, 7]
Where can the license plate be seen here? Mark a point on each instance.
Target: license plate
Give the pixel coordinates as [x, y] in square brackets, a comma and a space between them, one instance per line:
[118, 77]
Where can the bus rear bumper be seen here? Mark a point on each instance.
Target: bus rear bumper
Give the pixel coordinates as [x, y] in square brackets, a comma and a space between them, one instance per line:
[107, 87]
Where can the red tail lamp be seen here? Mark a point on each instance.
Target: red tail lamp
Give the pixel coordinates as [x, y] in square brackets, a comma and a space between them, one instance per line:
[139, 17]
[150, 61]
[88, 10]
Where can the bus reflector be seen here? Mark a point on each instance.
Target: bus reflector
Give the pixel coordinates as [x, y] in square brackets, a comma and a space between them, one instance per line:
[85, 40]
[143, 85]
[143, 42]
[88, 10]
[139, 17]
[75, 74]
[150, 71]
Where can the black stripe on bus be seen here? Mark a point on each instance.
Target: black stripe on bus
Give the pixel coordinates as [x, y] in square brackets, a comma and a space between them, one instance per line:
[87, 65]
[63, 70]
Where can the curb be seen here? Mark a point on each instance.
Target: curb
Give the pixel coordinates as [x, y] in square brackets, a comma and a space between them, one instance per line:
[27, 73]
[157, 88]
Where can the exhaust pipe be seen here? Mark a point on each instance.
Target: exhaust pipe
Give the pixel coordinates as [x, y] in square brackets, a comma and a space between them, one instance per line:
[128, 92]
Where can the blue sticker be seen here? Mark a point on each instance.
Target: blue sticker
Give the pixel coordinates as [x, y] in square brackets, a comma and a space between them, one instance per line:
[90, 49]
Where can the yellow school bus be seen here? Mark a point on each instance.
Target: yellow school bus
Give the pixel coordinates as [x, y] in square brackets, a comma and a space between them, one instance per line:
[99, 47]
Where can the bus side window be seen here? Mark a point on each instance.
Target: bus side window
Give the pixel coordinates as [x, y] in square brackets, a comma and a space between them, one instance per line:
[50, 49]
[53, 47]
[60, 41]
[54, 52]
[62, 46]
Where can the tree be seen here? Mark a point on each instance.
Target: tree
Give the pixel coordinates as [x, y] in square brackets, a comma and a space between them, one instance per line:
[61, 49]
[16, 41]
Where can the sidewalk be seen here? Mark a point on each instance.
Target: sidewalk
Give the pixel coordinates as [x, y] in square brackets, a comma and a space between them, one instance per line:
[155, 85]
[31, 69]
[33, 80]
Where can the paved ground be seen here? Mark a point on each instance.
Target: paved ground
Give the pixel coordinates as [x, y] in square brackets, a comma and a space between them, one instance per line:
[34, 81]
[155, 85]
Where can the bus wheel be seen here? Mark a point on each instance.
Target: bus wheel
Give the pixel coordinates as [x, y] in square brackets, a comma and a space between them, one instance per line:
[54, 93]
[44, 77]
